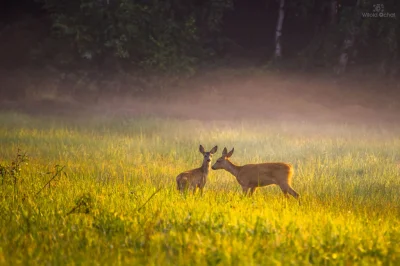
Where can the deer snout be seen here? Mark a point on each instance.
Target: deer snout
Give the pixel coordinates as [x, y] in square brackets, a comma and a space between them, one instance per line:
[208, 160]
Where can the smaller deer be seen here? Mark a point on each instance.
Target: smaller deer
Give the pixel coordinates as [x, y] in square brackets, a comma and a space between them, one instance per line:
[251, 176]
[196, 178]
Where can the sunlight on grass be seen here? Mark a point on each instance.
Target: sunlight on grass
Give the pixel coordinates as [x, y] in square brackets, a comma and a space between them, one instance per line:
[116, 202]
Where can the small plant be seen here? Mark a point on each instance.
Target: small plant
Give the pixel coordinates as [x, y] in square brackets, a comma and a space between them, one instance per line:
[83, 204]
[10, 174]
[58, 171]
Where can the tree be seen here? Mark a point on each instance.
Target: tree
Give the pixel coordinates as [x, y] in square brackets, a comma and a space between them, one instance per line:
[167, 35]
[352, 32]
[333, 11]
[377, 36]
[278, 32]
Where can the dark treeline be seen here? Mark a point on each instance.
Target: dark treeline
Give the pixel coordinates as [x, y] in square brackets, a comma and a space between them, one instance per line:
[181, 36]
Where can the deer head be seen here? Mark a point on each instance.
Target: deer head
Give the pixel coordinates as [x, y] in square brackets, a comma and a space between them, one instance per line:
[207, 155]
[223, 161]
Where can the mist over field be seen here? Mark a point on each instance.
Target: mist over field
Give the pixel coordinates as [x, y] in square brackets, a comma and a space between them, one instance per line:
[98, 183]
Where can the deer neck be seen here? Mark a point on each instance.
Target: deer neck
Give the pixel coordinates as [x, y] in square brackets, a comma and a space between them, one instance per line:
[205, 168]
[232, 168]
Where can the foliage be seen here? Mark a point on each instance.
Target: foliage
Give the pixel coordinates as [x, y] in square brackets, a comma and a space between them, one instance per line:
[11, 175]
[163, 35]
[376, 38]
[348, 178]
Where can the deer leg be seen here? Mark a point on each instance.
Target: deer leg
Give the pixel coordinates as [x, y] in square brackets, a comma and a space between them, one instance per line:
[183, 184]
[201, 191]
[287, 189]
[294, 194]
[179, 184]
[183, 187]
[245, 190]
[252, 190]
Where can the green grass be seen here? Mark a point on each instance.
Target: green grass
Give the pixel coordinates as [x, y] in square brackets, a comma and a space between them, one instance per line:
[348, 178]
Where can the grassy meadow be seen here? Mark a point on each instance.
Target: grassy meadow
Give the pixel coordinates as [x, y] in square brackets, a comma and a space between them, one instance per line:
[112, 198]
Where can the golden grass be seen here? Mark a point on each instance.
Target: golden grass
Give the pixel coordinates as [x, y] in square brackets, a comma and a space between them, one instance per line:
[120, 181]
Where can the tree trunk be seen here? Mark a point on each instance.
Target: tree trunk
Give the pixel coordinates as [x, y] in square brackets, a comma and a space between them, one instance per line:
[348, 44]
[334, 11]
[278, 33]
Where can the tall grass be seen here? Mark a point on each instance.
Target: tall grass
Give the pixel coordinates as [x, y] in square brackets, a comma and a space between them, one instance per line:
[115, 201]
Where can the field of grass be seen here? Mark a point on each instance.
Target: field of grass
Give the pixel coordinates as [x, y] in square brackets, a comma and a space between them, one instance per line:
[113, 197]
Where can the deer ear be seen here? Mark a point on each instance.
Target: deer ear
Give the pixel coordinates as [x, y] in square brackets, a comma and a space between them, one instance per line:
[230, 153]
[224, 152]
[214, 150]
[201, 149]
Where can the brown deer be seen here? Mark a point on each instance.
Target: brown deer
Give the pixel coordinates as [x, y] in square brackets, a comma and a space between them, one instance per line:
[251, 176]
[196, 178]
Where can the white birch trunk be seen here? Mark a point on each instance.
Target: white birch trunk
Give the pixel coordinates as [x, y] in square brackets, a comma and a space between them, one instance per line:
[278, 33]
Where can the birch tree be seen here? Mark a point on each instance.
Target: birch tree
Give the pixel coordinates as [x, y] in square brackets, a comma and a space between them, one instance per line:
[278, 32]
[302, 9]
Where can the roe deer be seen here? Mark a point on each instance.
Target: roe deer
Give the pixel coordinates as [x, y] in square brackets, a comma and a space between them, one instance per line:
[251, 176]
[196, 178]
